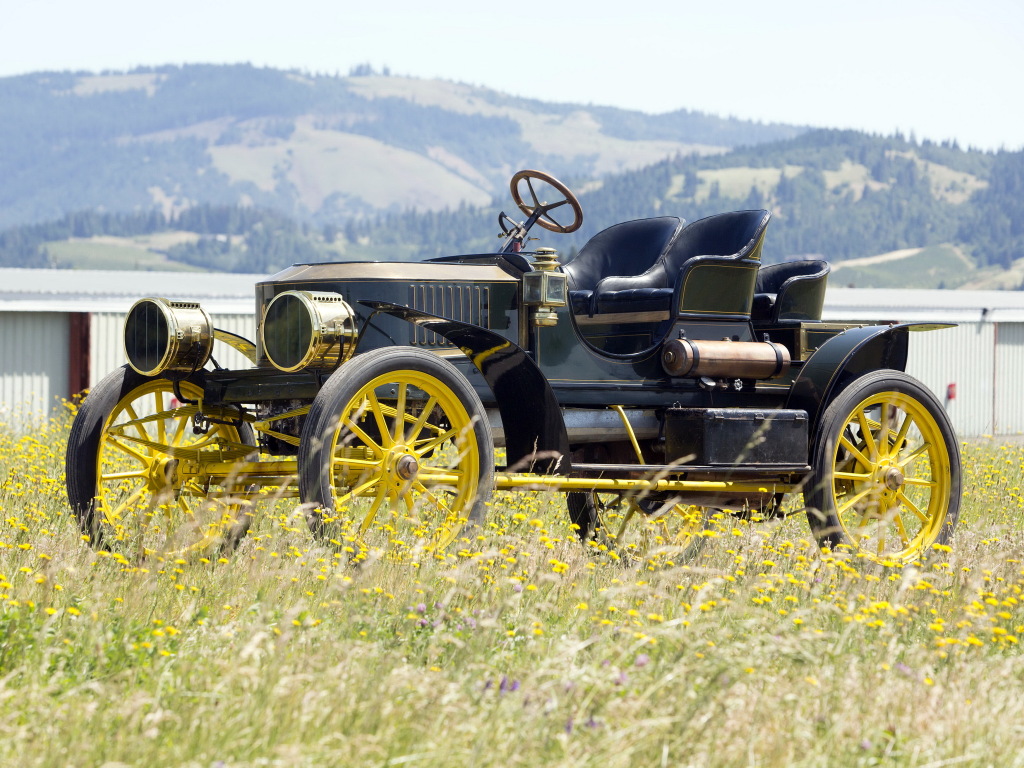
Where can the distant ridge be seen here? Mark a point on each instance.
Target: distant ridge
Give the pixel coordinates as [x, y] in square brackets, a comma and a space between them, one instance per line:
[235, 168]
[316, 147]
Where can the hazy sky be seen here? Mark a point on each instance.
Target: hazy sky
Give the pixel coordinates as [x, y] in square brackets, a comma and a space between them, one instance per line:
[941, 69]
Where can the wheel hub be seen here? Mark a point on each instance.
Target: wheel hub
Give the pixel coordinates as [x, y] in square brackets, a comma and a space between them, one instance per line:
[162, 472]
[893, 479]
[407, 467]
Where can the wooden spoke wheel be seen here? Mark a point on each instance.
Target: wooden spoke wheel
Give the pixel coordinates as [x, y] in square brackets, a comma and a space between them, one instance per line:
[136, 472]
[886, 470]
[641, 531]
[396, 451]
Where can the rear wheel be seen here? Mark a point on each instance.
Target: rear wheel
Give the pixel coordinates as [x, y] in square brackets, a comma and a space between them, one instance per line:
[886, 470]
[135, 470]
[640, 531]
[396, 449]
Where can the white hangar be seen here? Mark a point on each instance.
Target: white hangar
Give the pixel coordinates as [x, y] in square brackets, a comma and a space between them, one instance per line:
[60, 333]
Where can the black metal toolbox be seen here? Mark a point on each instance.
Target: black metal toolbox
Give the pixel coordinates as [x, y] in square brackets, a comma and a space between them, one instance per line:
[729, 436]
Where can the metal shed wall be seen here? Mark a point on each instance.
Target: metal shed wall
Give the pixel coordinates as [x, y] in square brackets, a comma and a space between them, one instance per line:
[1009, 379]
[963, 356]
[33, 363]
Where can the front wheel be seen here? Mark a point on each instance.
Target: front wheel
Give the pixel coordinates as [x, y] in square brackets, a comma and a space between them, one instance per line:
[136, 469]
[885, 477]
[396, 447]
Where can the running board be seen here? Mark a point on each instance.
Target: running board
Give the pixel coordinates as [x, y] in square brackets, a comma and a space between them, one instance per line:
[746, 470]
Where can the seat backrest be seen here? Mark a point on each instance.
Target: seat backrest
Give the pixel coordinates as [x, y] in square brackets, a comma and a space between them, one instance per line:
[629, 248]
[717, 264]
[737, 235]
[792, 291]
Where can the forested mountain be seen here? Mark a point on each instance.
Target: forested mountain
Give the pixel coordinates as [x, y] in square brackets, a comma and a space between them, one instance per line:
[839, 194]
[315, 147]
[244, 169]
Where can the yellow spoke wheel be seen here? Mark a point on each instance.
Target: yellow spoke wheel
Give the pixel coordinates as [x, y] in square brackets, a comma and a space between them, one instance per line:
[135, 470]
[396, 453]
[886, 470]
[648, 532]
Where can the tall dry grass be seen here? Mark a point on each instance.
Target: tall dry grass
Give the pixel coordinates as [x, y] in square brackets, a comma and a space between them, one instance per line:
[517, 647]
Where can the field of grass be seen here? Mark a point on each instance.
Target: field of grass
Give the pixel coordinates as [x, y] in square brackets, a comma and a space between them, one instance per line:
[937, 266]
[516, 647]
[121, 252]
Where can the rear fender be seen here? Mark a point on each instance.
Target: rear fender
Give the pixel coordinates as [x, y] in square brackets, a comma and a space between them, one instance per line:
[535, 434]
[847, 356]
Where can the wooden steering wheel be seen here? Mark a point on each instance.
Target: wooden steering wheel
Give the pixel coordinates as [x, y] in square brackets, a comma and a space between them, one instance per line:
[541, 211]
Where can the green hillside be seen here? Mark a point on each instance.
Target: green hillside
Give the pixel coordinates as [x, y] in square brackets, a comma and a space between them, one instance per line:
[246, 169]
[837, 194]
[319, 148]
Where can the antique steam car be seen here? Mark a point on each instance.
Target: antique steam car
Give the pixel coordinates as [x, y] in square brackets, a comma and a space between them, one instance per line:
[660, 376]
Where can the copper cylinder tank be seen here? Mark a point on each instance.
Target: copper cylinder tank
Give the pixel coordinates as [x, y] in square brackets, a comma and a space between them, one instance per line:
[725, 359]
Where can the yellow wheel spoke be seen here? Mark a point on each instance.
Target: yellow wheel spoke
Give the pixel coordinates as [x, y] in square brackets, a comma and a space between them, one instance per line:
[111, 441]
[378, 417]
[128, 503]
[852, 501]
[419, 416]
[865, 431]
[359, 490]
[161, 429]
[901, 436]
[883, 427]
[139, 426]
[358, 432]
[179, 433]
[864, 460]
[183, 506]
[374, 508]
[430, 445]
[400, 413]
[911, 506]
[410, 502]
[123, 475]
[417, 427]
[923, 449]
[893, 505]
[432, 497]
[901, 529]
[857, 476]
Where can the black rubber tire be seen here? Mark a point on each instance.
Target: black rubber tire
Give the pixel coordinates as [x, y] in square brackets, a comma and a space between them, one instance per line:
[582, 513]
[820, 488]
[323, 424]
[87, 431]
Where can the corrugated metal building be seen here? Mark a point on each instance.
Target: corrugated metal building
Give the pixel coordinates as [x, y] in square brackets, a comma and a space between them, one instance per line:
[60, 332]
[977, 368]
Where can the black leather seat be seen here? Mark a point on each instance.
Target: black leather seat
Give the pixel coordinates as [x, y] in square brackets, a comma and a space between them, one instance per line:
[790, 291]
[716, 241]
[628, 248]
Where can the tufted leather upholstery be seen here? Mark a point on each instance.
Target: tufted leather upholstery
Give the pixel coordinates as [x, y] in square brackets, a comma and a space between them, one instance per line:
[792, 290]
[628, 248]
[736, 235]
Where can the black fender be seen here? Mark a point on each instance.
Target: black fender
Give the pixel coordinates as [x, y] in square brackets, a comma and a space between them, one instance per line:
[846, 356]
[535, 434]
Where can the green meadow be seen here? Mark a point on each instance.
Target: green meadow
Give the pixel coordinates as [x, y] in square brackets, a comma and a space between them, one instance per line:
[517, 646]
